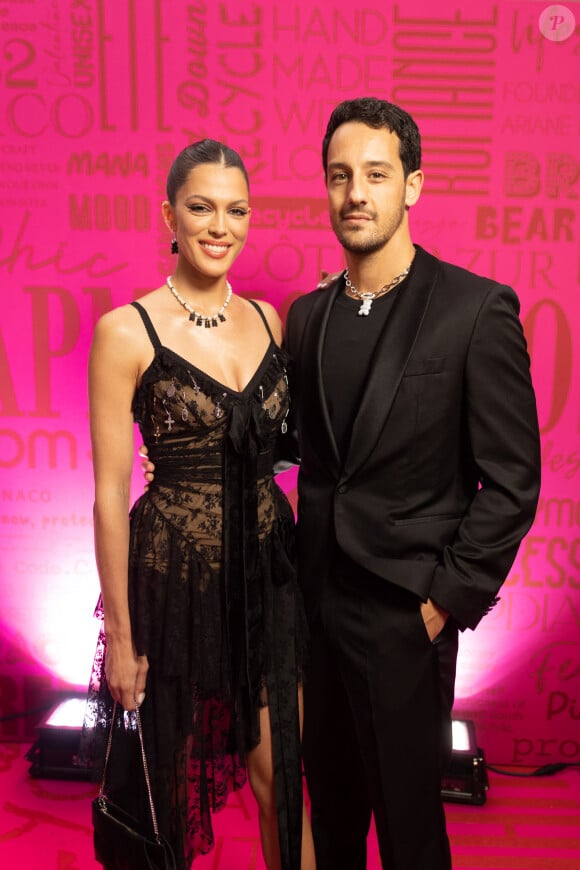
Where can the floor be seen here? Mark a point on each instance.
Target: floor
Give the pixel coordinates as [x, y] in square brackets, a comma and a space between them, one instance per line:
[525, 824]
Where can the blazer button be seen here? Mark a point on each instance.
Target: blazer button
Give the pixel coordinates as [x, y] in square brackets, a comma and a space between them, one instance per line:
[342, 488]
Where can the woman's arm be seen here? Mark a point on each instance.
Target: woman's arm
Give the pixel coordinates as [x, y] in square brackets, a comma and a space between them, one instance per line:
[113, 373]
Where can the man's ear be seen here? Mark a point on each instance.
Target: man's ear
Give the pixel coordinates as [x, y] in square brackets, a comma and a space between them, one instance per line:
[413, 187]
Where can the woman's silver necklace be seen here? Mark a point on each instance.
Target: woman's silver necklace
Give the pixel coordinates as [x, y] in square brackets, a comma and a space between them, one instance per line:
[206, 320]
[367, 299]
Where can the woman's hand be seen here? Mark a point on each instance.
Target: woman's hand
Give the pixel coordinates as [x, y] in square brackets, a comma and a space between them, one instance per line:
[126, 673]
[147, 467]
[326, 279]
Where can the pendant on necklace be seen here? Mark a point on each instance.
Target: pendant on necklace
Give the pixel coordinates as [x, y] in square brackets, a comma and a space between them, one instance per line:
[365, 308]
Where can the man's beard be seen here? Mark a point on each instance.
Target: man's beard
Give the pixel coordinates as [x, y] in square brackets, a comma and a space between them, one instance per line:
[369, 244]
[362, 246]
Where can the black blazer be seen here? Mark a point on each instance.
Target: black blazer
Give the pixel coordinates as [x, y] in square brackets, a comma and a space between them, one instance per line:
[442, 476]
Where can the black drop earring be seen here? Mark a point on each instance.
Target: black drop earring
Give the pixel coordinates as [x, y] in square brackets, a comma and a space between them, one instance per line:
[174, 246]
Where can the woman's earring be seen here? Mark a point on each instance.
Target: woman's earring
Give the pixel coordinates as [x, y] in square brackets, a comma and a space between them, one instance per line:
[174, 245]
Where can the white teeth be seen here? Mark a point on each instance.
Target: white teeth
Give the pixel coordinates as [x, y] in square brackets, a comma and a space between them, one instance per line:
[217, 249]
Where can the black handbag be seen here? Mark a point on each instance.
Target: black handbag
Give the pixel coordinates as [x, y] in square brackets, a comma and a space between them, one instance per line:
[122, 842]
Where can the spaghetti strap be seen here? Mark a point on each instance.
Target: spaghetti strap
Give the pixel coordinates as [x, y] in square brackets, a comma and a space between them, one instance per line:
[148, 325]
[263, 316]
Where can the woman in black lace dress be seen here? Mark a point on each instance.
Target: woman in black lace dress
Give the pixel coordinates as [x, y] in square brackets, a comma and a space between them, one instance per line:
[203, 620]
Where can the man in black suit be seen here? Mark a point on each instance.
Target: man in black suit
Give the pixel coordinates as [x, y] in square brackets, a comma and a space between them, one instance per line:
[419, 476]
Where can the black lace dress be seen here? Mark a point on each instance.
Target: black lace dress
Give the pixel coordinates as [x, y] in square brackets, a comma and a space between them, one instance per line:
[214, 605]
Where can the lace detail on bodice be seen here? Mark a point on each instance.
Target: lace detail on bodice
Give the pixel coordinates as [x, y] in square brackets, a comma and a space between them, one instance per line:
[176, 400]
[201, 436]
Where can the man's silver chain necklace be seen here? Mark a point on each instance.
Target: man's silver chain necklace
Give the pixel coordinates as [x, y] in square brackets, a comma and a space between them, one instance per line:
[367, 299]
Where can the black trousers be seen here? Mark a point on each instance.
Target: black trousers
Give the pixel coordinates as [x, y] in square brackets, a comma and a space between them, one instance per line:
[377, 725]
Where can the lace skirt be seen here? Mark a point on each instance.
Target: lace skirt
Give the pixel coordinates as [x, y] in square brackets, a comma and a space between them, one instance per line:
[213, 664]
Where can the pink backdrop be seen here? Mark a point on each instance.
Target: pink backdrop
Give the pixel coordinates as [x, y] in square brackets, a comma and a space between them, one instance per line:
[97, 97]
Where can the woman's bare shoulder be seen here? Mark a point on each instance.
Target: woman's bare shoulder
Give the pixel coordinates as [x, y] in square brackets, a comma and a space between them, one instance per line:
[121, 322]
[272, 317]
[125, 320]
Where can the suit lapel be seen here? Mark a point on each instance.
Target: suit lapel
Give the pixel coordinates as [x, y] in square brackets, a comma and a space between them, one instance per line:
[390, 358]
[311, 376]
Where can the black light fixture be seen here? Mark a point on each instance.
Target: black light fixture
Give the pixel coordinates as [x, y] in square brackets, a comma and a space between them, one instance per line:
[53, 754]
[465, 780]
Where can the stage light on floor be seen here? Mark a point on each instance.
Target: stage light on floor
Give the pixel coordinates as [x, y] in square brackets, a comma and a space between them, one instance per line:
[463, 735]
[67, 714]
[465, 780]
[53, 755]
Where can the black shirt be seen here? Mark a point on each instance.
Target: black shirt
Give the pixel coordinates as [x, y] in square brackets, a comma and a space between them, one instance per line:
[347, 355]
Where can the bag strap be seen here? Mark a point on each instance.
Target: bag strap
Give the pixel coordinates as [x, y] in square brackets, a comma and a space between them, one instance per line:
[145, 766]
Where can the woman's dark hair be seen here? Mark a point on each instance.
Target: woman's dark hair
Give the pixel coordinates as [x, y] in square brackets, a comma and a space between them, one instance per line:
[378, 114]
[204, 151]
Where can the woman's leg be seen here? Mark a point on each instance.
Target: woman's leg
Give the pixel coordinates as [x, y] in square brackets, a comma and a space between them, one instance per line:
[261, 776]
